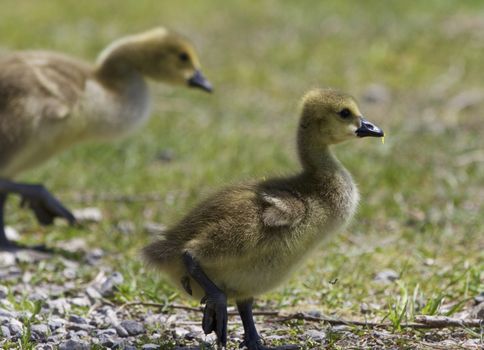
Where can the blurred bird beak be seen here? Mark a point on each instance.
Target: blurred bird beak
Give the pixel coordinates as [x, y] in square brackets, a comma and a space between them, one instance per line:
[368, 129]
[199, 81]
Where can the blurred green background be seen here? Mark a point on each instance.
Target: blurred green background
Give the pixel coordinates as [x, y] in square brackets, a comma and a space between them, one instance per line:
[416, 68]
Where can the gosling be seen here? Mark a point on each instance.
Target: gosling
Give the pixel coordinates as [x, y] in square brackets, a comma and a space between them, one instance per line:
[246, 240]
[49, 101]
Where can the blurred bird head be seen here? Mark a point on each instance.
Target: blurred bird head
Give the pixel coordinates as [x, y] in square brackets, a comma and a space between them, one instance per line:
[159, 54]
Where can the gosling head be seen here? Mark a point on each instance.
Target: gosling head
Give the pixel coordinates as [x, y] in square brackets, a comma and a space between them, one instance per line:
[159, 54]
[330, 117]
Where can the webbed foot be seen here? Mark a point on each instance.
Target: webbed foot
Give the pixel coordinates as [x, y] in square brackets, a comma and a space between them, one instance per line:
[44, 205]
[215, 317]
[215, 312]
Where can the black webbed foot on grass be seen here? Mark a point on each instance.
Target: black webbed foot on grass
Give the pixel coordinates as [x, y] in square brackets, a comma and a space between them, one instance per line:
[215, 317]
[44, 205]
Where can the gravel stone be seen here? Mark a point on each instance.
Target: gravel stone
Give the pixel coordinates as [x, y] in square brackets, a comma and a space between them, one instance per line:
[315, 335]
[107, 340]
[88, 215]
[7, 259]
[15, 328]
[119, 344]
[3, 292]
[93, 293]
[38, 295]
[82, 333]
[478, 312]
[126, 227]
[72, 335]
[133, 327]
[155, 319]
[108, 287]
[10, 273]
[150, 347]
[55, 324]
[44, 347]
[60, 331]
[6, 313]
[314, 313]
[58, 291]
[31, 256]
[179, 332]
[39, 331]
[69, 273]
[59, 306]
[11, 233]
[5, 304]
[5, 332]
[54, 339]
[78, 327]
[107, 331]
[386, 276]
[94, 256]
[478, 298]
[121, 331]
[77, 319]
[74, 345]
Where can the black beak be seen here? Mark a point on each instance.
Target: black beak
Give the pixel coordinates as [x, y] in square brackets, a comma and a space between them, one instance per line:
[199, 81]
[368, 129]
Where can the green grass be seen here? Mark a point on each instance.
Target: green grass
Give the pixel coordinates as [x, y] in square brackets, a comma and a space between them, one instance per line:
[422, 191]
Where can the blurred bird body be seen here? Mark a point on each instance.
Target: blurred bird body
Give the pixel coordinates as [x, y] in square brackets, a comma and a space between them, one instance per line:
[47, 112]
[50, 101]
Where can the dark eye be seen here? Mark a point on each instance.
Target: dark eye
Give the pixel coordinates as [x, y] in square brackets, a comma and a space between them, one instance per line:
[183, 57]
[345, 113]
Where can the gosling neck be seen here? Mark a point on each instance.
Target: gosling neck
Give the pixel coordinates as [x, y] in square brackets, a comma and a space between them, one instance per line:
[317, 158]
[116, 69]
[128, 102]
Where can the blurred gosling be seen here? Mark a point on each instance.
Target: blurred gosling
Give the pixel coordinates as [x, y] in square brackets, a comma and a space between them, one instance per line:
[247, 239]
[50, 101]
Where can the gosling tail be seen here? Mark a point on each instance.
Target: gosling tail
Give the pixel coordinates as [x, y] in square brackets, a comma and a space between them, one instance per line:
[159, 253]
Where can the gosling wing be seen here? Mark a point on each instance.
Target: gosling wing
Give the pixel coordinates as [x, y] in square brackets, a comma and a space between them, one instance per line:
[282, 209]
[40, 84]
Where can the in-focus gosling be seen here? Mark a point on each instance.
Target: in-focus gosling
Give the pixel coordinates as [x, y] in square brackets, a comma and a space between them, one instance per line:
[246, 240]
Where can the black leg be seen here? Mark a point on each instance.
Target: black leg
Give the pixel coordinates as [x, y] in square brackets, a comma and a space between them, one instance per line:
[251, 337]
[44, 205]
[215, 312]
